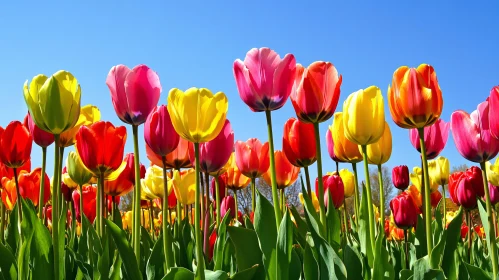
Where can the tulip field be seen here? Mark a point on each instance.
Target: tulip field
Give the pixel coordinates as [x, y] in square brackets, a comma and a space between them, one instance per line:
[186, 222]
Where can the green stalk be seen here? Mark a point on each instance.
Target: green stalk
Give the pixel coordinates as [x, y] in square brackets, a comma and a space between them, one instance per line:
[281, 191]
[468, 220]
[370, 209]
[151, 218]
[236, 205]
[445, 209]
[207, 192]
[61, 159]
[197, 214]
[58, 257]
[203, 209]
[42, 184]
[166, 237]
[427, 198]
[2, 222]
[81, 203]
[491, 233]
[345, 217]
[253, 195]
[406, 234]
[217, 199]
[320, 195]
[73, 220]
[307, 177]
[19, 205]
[100, 202]
[136, 200]
[275, 197]
[357, 196]
[381, 201]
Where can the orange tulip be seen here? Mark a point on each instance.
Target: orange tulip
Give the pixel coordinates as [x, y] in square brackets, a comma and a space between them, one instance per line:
[177, 159]
[234, 178]
[415, 98]
[286, 173]
[29, 188]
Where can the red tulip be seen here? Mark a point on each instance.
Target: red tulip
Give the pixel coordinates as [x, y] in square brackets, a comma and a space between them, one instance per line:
[40, 137]
[29, 188]
[435, 138]
[221, 187]
[286, 173]
[89, 202]
[228, 203]
[66, 192]
[473, 135]
[213, 238]
[252, 158]
[15, 145]
[213, 155]
[9, 172]
[405, 212]
[465, 187]
[435, 198]
[47, 210]
[454, 179]
[126, 180]
[298, 143]
[464, 230]
[330, 146]
[400, 177]
[177, 159]
[494, 194]
[109, 203]
[159, 133]
[334, 184]
[101, 146]
[172, 200]
[134, 92]
[387, 227]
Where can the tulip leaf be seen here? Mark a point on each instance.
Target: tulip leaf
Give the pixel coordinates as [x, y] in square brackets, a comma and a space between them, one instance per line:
[437, 252]
[313, 219]
[364, 236]
[103, 261]
[301, 228]
[476, 272]
[484, 217]
[420, 241]
[116, 267]
[12, 230]
[382, 268]
[353, 262]
[333, 223]
[406, 274]
[421, 267]
[85, 269]
[155, 264]
[215, 275]
[126, 252]
[218, 250]
[264, 222]
[449, 265]
[8, 266]
[295, 267]
[246, 246]
[284, 247]
[310, 266]
[247, 274]
[179, 273]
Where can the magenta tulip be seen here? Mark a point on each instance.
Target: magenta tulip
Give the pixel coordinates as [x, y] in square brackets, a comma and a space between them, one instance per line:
[40, 137]
[405, 212]
[213, 155]
[400, 177]
[135, 93]
[472, 134]
[494, 107]
[333, 185]
[435, 138]
[221, 187]
[465, 187]
[330, 146]
[130, 169]
[264, 80]
[494, 194]
[159, 133]
[465, 193]
[228, 203]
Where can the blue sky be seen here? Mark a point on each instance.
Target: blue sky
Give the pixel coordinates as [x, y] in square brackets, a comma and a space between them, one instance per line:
[194, 43]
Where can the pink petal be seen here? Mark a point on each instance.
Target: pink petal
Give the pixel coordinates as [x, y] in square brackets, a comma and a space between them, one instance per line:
[466, 135]
[116, 83]
[261, 64]
[244, 87]
[284, 80]
[143, 89]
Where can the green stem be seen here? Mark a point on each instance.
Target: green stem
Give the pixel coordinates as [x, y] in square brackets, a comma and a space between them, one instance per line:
[58, 257]
[136, 201]
[381, 201]
[73, 220]
[203, 209]
[151, 218]
[253, 195]
[41, 198]
[406, 234]
[199, 245]
[427, 198]
[100, 202]
[320, 195]
[61, 163]
[370, 209]
[81, 203]
[217, 199]
[468, 220]
[275, 197]
[307, 177]
[491, 233]
[345, 217]
[2, 221]
[281, 192]
[19, 205]
[444, 206]
[357, 196]
[166, 237]
[236, 205]
[207, 192]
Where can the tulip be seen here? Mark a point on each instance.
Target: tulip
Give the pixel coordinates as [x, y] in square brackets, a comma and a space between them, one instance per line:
[439, 170]
[153, 184]
[184, 185]
[494, 106]
[298, 143]
[89, 203]
[130, 164]
[222, 182]
[405, 212]
[29, 184]
[317, 91]
[464, 187]
[159, 134]
[177, 159]
[313, 197]
[330, 146]
[464, 230]
[333, 185]
[172, 200]
[40, 137]
[77, 170]
[435, 138]
[89, 114]
[228, 203]
[122, 184]
[380, 152]
[348, 182]
[494, 194]
[66, 179]
[416, 180]
[400, 177]
[15, 145]
[436, 196]
[286, 173]
[112, 200]
[66, 192]
[344, 149]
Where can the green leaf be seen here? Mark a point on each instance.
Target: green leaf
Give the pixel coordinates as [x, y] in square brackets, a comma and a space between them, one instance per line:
[85, 270]
[405, 274]
[301, 229]
[247, 223]
[382, 269]
[420, 241]
[364, 236]
[313, 219]
[103, 262]
[116, 267]
[218, 250]
[310, 266]
[284, 247]
[353, 262]
[126, 252]
[215, 275]
[13, 231]
[247, 274]
[179, 273]
[333, 223]
[155, 264]
[8, 265]
[264, 222]
[476, 272]
[438, 250]
[246, 245]
[421, 267]
[484, 216]
[449, 265]
[295, 268]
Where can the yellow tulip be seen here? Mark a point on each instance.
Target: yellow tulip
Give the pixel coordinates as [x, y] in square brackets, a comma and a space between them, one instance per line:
[380, 152]
[54, 103]
[184, 185]
[348, 182]
[197, 115]
[89, 114]
[77, 171]
[439, 169]
[66, 179]
[416, 179]
[493, 172]
[364, 116]
[315, 201]
[127, 220]
[344, 149]
[152, 184]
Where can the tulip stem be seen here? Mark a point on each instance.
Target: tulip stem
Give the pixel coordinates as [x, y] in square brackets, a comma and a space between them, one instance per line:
[281, 191]
[491, 233]
[100, 210]
[19, 203]
[199, 246]
[58, 256]
[253, 194]
[151, 218]
[136, 200]
[2, 222]
[345, 217]
[427, 193]
[370, 209]
[217, 199]
[470, 237]
[166, 237]
[61, 159]
[236, 205]
[203, 209]
[406, 237]
[207, 191]
[275, 197]
[81, 204]
[41, 198]
[320, 195]
[357, 196]
[381, 201]
[444, 206]
[307, 177]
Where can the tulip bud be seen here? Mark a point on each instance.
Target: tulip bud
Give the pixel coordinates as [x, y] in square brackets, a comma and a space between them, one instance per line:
[405, 212]
[228, 203]
[348, 182]
[333, 185]
[77, 170]
[298, 142]
[494, 194]
[400, 177]
[221, 187]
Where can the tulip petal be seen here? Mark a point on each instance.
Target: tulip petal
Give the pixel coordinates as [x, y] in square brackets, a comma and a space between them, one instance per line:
[143, 88]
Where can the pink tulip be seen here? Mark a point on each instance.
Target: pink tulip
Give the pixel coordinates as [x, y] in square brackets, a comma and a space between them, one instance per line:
[333, 185]
[494, 107]
[228, 203]
[221, 187]
[252, 158]
[435, 138]
[40, 137]
[135, 93]
[213, 155]
[494, 194]
[264, 80]
[159, 133]
[330, 146]
[130, 168]
[472, 134]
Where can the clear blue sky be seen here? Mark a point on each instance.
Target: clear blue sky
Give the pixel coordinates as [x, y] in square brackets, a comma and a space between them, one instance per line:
[194, 43]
